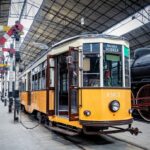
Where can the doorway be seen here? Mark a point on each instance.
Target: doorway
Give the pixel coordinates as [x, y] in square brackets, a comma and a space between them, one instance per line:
[67, 85]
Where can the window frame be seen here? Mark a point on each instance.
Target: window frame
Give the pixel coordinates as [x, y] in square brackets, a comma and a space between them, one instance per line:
[90, 53]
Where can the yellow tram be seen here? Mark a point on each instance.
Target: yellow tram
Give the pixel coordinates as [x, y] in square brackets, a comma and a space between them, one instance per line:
[82, 84]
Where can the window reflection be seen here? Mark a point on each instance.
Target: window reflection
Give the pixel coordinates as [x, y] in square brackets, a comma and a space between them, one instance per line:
[112, 70]
[91, 68]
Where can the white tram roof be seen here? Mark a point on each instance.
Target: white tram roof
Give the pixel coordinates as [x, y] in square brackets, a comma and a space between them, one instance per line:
[76, 41]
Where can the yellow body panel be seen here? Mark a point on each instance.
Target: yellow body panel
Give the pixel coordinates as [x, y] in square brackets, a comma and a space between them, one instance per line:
[65, 121]
[97, 101]
[51, 100]
[24, 98]
[38, 101]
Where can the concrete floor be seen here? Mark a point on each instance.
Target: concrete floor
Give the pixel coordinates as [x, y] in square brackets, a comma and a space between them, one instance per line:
[142, 139]
[13, 136]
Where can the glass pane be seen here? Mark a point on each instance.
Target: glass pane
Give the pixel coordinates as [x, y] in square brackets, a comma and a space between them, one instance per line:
[51, 62]
[91, 70]
[91, 47]
[51, 77]
[93, 63]
[74, 105]
[43, 81]
[95, 47]
[91, 80]
[112, 70]
[73, 74]
[86, 47]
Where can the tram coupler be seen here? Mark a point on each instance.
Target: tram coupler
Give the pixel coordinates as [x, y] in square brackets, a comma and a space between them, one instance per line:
[134, 131]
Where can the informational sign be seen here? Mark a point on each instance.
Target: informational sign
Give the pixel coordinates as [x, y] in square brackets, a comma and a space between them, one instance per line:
[11, 75]
[114, 48]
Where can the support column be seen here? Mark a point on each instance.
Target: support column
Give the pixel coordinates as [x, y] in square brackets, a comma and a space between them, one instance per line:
[11, 80]
[16, 97]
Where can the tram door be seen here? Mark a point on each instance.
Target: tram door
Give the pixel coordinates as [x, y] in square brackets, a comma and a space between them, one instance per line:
[50, 92]
[29, 88]
[67, 85]
[73, 65]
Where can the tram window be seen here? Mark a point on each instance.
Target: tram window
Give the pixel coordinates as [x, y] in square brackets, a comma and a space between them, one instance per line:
[36, 82]
[39, 77]
[86, 64]
[64, 84]
[91, 47]
[51, 77]
[112, 70]
[43, 81]
[25, 85]
[86, 47]
[32, 82]
[91, 80]
[91, 72]
[21, 84]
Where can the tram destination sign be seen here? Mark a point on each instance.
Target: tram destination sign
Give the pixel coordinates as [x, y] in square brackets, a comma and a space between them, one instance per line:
[112, 47]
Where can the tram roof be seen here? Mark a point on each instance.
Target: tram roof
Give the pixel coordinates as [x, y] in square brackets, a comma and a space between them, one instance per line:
[60, 19]
[116, 39]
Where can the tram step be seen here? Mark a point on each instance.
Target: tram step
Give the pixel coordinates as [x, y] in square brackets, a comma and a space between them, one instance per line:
[63, 131]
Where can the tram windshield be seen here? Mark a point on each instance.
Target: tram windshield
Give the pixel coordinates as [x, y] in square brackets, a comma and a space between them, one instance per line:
[112, 70]
[91, 64]
[104, 67]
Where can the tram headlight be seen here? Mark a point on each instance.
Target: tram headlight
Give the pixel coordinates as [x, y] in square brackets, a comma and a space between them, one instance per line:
[114, 106]
[87, 113]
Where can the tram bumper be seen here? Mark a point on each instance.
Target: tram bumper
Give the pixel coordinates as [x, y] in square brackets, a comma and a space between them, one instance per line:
[105, 123]
[108, 127]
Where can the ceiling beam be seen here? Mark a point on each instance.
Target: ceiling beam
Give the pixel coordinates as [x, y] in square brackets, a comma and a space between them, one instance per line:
[22, 10]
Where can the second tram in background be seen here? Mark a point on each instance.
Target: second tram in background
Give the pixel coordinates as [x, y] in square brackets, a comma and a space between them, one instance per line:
[81, 85]
[140, 72]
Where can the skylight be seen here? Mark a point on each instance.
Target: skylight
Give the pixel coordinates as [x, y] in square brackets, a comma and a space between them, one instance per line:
[30, 10]
[131, 23]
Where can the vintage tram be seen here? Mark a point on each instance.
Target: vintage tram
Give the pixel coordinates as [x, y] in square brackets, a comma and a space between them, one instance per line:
[82, 84]
[140, 73]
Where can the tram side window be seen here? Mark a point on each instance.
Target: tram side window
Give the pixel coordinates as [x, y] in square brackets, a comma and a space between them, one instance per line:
[25, 85]
[39, 80]
[43, 80]
[91, 67]
[21, 85]
[33, 78]
[36, 82]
